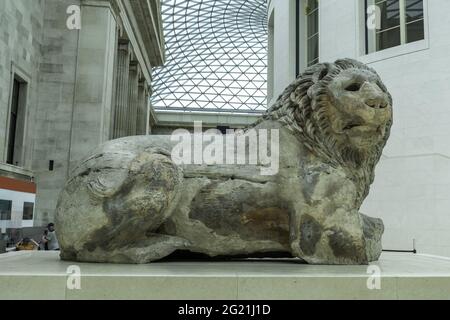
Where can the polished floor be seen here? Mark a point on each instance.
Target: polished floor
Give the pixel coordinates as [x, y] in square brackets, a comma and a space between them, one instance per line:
[395, 276]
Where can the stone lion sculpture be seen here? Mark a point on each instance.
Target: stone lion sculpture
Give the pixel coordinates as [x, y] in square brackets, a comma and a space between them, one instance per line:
[128, 202]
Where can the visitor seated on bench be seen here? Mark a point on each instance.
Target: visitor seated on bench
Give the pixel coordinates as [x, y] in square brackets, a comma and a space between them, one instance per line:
[27, 244]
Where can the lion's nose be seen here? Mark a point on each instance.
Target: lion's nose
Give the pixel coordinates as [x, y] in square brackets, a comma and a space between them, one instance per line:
[375, 97]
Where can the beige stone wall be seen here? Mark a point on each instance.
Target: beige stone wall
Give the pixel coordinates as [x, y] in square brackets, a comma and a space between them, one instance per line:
[52, 123]
[21, 33]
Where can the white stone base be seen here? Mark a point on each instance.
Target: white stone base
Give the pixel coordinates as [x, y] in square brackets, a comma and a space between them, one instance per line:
[41, 275]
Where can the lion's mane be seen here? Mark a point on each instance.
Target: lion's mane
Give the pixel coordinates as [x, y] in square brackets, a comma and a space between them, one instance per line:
[302, 108]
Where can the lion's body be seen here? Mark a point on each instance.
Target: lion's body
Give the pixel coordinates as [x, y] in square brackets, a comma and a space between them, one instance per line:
[130, 203]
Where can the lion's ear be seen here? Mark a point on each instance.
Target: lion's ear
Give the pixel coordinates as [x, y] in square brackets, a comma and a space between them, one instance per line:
[321, 72]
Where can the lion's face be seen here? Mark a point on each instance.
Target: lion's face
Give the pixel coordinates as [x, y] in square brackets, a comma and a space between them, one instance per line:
[360, 109]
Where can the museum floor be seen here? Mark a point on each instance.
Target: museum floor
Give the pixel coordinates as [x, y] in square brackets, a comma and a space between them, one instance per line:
[38, 275]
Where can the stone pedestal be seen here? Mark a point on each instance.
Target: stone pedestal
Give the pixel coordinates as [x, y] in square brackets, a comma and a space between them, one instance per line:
[402, 276]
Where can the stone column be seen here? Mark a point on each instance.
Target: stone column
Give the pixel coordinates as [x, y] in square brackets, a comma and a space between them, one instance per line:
[123, 73]
[142, 108]
[94, 84]
[114, 94]
[148, 107]
[133, 98]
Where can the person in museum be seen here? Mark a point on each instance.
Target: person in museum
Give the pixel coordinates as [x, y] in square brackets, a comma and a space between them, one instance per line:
[49, 239]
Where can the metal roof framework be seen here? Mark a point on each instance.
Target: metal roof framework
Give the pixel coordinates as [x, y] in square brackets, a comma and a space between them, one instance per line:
[216, 57]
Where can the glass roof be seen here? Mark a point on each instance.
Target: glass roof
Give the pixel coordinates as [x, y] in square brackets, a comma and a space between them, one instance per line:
[216, 56]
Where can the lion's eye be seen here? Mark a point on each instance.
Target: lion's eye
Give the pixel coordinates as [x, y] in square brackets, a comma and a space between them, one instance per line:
[353, 87]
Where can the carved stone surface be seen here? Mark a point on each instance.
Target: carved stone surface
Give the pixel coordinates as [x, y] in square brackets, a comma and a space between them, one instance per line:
[130, 203]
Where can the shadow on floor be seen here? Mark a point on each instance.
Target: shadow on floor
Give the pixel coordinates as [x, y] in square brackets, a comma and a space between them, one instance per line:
[187, 256]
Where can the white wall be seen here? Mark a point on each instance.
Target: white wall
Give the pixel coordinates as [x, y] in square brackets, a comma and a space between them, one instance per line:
[17, 198]
[412, 186]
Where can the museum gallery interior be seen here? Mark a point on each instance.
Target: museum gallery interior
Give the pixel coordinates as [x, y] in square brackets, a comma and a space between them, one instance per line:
[224, 149]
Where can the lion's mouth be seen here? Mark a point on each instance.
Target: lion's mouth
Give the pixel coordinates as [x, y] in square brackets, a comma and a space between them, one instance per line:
[354, 124]
[361, 128]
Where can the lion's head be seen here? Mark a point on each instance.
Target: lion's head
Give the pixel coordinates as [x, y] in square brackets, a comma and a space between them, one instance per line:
[341, 111]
